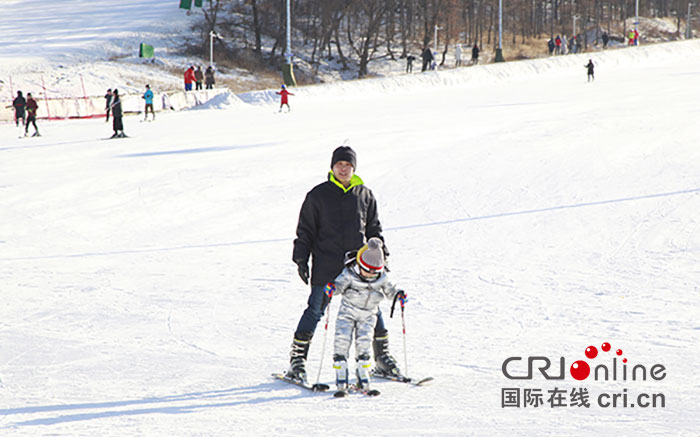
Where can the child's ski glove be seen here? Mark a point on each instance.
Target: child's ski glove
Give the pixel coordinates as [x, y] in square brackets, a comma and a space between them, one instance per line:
[329, 289]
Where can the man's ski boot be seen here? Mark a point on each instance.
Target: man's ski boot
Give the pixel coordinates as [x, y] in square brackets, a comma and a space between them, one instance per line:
[385, 363]
[297, 360]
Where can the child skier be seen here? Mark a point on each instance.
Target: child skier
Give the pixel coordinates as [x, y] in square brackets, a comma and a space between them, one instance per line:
[285, 99]
[363, 284]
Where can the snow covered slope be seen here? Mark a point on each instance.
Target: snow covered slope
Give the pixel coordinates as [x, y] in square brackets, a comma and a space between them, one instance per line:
[69, 44]
[148, 288]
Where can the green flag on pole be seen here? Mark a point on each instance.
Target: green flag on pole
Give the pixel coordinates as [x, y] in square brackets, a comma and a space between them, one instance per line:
[146, 51]
[198, 3]
[186, 4]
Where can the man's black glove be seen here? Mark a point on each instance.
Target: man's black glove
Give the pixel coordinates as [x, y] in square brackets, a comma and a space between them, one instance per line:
[303, 269]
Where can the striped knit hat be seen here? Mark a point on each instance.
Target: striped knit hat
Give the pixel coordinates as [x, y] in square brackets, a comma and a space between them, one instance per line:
[371, 256]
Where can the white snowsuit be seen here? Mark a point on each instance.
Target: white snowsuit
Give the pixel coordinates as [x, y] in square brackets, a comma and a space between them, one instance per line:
[358, 309]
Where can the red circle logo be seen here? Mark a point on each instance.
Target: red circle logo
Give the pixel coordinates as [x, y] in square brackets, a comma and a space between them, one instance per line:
[580, 370]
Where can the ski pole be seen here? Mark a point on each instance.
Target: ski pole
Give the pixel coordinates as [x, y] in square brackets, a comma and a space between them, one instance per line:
[329, 289]
[403, 325]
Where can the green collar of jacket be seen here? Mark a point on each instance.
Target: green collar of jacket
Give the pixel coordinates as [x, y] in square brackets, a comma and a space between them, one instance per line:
[355, 180]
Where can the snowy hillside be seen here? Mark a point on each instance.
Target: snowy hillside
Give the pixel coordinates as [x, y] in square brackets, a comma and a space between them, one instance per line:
[148, 287]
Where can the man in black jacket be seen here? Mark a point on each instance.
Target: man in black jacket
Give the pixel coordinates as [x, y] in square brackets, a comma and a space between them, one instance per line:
[19, 103]
[337, 216]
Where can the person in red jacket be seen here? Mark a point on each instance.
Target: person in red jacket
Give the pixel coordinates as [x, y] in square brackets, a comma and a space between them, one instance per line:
[31, 115]
[285, 99]
[189, 78]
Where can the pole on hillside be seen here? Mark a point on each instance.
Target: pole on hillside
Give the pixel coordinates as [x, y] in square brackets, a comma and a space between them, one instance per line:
[499, 50]
[288, 67]
[12, 91]
[688, 29]
[212, 34]
[46, 99]
[636, 18]
[87, 105]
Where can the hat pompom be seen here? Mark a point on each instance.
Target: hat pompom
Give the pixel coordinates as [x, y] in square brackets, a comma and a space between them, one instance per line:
[371, 256]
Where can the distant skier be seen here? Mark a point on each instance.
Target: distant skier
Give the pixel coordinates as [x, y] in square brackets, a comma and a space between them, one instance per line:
[189, 78]
[148, 97]
[363, 284]
[198, 77]
[209, 78]
[117, 124]
[285, 98]
[19, 103]
[557, 45]
[32, 108]
[590, 68]
[108, 103]
[409, 63]
[550, 46]
[458, 55]
[427, 56]
[606, 39]
[475, 54]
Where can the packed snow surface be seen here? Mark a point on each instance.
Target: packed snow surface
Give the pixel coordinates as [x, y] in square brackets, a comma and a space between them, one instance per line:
[148, 287]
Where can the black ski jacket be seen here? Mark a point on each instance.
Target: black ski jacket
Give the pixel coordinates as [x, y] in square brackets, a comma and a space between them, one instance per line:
[117, 107]
[334, 220]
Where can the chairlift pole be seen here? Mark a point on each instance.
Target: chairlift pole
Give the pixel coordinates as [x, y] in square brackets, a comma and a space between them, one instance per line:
[212, 34]
[499, 50]
[288, 67]
[636, 18]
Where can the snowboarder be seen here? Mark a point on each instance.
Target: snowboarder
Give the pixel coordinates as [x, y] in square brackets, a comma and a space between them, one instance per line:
[427, 56]
[32, 107]
[327, 237]
[148, 97]
[117, 125]
[209, 78]
[19, 103]
[590, 67]
[475, 54]
[285, 98]
[458, 55]
[363, 284]
[189, 78]
[409, 63]
[198, 77]
[108, 104]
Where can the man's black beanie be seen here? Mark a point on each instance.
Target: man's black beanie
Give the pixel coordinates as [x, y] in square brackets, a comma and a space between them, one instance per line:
[344, 153]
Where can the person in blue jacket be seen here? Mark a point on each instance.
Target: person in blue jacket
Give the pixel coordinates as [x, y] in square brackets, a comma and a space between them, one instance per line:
[148, 97]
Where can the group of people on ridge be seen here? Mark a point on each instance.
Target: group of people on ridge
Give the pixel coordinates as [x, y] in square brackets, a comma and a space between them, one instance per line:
[196, 77]
[429, 58]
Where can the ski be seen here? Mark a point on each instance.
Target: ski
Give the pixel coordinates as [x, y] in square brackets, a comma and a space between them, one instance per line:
[301, 383]
[353, 389]
[404, 379]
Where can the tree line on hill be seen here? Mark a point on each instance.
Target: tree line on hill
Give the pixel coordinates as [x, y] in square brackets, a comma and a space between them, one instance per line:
[359, 31]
